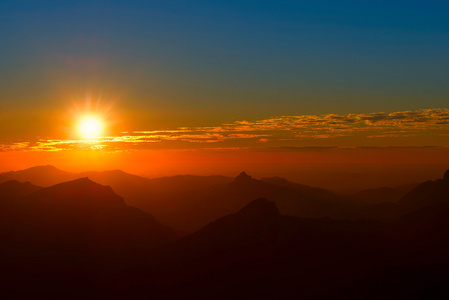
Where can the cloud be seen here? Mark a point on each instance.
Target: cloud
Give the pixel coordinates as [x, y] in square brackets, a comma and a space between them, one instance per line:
[283, 131]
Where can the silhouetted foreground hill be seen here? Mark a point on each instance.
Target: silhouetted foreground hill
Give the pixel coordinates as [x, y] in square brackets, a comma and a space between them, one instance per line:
[59, 237]
[80, 216]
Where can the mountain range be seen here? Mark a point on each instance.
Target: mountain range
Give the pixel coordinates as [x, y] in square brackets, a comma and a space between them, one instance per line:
[267, 239]
[188, 202]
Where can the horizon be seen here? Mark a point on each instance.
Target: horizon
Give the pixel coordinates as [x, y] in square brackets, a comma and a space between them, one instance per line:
[362, 180]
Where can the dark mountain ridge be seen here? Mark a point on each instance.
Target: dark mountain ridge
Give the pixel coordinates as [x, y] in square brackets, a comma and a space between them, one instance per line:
[40, 175]
[188, 202]
[383, 194]
[425, 195]
[80, 214]
[14, 188]
[85, 234]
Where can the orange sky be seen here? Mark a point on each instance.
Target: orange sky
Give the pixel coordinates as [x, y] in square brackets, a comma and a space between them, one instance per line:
[283, 145]
[217, 88]
[320, 166]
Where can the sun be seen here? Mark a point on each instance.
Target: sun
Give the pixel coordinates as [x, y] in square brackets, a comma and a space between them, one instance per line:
[90, 127]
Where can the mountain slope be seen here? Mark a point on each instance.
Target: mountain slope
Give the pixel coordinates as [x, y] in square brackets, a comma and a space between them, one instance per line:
[189, 202]
[68, 238]
[257, 247]
[382, 195]
[41, 175]
[84, 215]
[289, 200]
[4, 178]
[426, 195]
[14, 188]
[80, 239]
[312, 191]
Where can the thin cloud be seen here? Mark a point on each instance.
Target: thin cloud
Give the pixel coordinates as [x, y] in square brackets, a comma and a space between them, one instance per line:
[277, 131]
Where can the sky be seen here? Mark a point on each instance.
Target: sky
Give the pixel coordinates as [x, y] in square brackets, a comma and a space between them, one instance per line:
[235, 76]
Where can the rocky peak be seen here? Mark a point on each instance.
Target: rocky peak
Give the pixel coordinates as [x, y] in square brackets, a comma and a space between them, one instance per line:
[446, 176]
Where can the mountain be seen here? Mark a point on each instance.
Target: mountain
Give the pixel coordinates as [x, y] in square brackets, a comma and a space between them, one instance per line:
[83, 215]
[312, 191]
[158, 196]
[187, 183]
[257, 251]
[423, 222]
[79, 239]
[243, 233]
[383, 194]
[429, 194]
[153, 195]
[116, 178]
[193, 209]
[79, 193]
[136, 188]
[188, 202]
[14, 188]
[4, 178]
[67, 238]
[291, 199]
[424, 214]
[259, 225]
[119, 180]
[40, 175]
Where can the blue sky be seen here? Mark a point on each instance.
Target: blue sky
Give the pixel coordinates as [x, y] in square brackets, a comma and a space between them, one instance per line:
[209, 62]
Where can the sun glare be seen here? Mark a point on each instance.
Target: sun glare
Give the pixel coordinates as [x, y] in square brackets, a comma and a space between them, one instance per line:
[90, 127]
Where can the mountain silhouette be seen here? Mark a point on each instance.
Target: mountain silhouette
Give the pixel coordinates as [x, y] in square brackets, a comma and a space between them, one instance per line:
[53, 238]
[14, 188]
[84, 215]
[425, 214]
[193, 210]
[187, 202]
[157, 196]
[79, 239]
[290, 198]
[79, 193]
[243, 178]
[255, 223]
[40, 175]
[4, 178]
[246, 234]
[257, 251]
[308, 190]
[425, 195]
[382, 194]
[428, 193]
